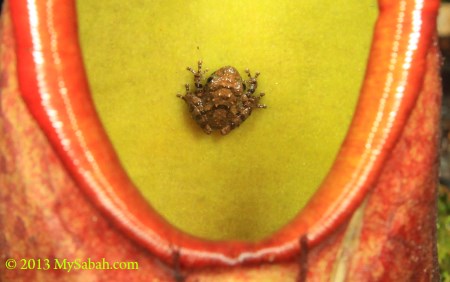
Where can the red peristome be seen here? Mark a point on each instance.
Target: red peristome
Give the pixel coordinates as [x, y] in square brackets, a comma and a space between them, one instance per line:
[57, 94]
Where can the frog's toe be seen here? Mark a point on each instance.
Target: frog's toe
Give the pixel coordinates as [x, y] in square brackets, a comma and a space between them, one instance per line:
[225, 130]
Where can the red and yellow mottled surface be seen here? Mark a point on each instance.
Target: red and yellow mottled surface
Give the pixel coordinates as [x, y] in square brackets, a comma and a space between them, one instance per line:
[44, 214]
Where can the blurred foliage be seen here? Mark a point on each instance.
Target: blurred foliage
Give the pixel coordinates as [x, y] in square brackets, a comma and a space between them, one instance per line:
[444, 233]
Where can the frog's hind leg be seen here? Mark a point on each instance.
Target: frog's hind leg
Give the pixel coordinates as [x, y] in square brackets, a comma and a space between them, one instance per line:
[201, 119]
[188, 91]
[256, 103]
[206, 128]
[241, 117]
[226, 130]
[252, 102]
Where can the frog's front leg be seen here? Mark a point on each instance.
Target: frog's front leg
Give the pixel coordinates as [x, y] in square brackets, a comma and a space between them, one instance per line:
[252, 82]
[253, 101]
[198, 76]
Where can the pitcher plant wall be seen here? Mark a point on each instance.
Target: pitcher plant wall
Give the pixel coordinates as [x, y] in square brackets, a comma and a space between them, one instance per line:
[64, 194]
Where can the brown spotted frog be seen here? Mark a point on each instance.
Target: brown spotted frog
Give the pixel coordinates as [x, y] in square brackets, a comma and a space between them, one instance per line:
[224, 102]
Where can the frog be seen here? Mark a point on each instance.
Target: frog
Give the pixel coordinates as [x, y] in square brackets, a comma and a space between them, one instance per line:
[225, 101]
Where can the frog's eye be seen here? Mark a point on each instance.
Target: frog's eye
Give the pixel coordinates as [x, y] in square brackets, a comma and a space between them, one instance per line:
[244, 86]
[209, 79]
